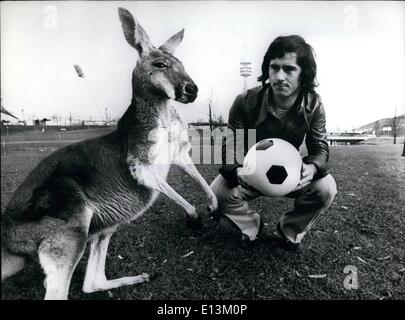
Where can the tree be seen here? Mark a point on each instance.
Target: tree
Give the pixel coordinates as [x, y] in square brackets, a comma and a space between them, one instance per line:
[211, 105]
[214, 118]
[55, 119]
[221, 120]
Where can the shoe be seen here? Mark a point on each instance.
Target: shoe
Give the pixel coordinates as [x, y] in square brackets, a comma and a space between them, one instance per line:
[283, 242]
[246, 242]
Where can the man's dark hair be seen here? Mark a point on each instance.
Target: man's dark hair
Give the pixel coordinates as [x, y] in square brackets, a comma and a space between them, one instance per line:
[305, 59]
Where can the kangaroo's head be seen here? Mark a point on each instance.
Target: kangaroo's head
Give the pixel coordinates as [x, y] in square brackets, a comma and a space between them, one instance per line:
[157, 71]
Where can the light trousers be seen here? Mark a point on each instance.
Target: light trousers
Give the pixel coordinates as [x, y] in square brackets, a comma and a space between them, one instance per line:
[309, 203]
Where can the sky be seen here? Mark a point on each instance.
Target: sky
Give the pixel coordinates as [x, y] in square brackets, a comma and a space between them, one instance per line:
[359, 46]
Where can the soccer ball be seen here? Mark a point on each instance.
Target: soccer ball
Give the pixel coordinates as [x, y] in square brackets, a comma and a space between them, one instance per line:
[273, 167]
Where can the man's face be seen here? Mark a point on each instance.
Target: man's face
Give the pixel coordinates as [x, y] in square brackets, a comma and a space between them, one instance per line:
[284, 75]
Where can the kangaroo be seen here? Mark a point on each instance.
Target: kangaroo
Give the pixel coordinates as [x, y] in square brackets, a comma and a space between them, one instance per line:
[81, 193]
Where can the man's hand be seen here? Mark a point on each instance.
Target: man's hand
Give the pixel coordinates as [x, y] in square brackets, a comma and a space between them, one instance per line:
[307, 175]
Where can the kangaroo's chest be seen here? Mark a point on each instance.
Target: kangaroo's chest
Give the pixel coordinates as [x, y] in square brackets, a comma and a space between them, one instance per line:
[148, 160]
[169, 139]
[165, 144]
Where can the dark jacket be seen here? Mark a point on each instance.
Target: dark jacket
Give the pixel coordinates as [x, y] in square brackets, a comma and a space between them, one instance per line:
[306, 118]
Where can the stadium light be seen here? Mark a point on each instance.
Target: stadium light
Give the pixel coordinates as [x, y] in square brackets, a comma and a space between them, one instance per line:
[245, 72]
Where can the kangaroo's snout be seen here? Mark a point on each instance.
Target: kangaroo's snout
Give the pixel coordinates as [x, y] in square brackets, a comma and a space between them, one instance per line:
[187, 92]
[191, 89]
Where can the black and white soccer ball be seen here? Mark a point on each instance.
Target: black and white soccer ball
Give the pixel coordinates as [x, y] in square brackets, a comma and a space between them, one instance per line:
[273, 167]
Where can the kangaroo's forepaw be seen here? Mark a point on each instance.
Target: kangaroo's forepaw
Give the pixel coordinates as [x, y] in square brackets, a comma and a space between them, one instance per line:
[213, 206]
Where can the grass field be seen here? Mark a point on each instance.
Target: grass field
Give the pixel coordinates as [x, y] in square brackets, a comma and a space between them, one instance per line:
[364, 228]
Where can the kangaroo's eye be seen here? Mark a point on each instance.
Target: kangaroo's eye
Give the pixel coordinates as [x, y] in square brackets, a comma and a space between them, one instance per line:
[159, 65]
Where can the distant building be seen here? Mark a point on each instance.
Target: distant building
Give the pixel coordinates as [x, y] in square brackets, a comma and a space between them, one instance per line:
[354, 137]
[8, 120]
[94, 123]
[89, 123]
[385, 127]
[6, 112]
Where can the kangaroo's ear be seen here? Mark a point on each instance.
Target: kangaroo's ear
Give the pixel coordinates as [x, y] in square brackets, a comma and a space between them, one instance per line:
[171, 44]
[134, 33]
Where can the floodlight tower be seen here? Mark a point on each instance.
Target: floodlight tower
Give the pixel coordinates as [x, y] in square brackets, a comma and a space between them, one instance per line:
[246, 68]
[245, 72]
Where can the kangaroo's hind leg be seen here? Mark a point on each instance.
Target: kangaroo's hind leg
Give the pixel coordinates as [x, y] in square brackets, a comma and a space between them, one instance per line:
[59, 257]
[61, 250]
[95, 279]
[10, 263]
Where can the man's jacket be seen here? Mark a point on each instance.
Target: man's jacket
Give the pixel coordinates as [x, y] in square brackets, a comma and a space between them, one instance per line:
[305, 119]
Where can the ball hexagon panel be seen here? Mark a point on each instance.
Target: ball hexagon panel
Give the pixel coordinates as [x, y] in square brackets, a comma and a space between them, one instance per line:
[276, 174]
